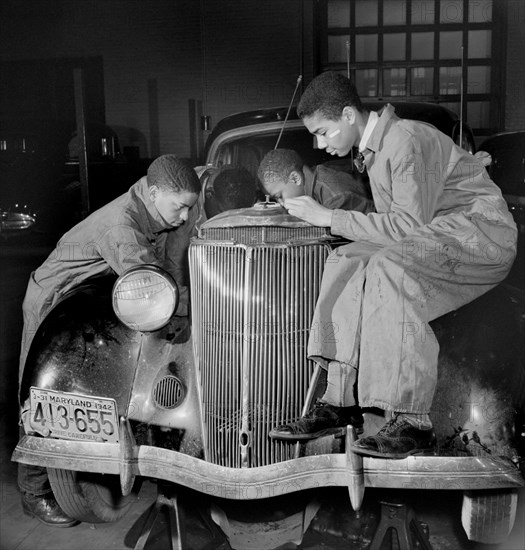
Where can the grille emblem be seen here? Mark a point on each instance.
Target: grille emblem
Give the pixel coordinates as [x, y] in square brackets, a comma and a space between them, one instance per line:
[168, 392]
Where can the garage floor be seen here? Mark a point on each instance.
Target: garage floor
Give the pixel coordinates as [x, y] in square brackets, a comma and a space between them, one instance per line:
[334, 526]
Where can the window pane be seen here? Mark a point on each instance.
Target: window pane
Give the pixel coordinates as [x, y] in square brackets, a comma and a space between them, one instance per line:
[394, 12]
[422, 81]
[451, 11]
[337, 48]
[338, 13]
[480, 11]
[366, 82]
[366, 47]
[366, 13]
[449, 80]
[478, 80]
[394, 82]
[479, 44]
[423, 45]
[394, 47]
[450, 45]
[423, 12]
[479, 114]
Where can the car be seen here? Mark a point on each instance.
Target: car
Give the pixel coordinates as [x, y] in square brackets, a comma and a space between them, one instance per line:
[40, 178]
[504, 155]
[507, 169]
[116, 389]
[242, 139]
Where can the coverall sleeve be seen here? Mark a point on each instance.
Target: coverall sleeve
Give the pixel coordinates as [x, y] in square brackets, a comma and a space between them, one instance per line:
[350, 202]
[414, 187]
[176, 258]
[125, 246]
[338, 189]
[177, 244]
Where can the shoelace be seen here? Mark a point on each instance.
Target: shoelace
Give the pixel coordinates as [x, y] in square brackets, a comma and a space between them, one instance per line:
[390, 425]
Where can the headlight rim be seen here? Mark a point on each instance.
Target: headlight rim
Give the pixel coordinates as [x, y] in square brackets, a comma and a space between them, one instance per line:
[158, 271]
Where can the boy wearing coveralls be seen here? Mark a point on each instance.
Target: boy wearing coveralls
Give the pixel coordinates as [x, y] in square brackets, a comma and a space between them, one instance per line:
[283, 175]
[150, 224]
[441, 236]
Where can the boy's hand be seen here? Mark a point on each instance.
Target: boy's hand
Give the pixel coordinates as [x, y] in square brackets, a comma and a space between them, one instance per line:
[309, 210]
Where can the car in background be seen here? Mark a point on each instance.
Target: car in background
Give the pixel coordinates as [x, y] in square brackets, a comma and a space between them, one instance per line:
[243, 139]
[507, 169]
[40, 186]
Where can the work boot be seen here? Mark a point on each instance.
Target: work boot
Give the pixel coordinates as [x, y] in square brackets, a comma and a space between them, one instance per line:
[396, 439]
[323, 419]
[46, 509]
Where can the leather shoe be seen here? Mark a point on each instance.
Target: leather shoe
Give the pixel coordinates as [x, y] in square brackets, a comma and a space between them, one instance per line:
[46, 509]
[396, 439]
[323, 419]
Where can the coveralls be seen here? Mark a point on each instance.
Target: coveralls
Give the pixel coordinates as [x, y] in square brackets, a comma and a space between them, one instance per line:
[338, 189]
[442, 236]
[124, 233]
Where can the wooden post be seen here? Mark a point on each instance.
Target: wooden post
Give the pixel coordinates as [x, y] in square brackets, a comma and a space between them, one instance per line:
[80, 112]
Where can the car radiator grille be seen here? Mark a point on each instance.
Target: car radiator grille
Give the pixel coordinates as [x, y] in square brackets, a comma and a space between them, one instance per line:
[264, 234]
[252, 306]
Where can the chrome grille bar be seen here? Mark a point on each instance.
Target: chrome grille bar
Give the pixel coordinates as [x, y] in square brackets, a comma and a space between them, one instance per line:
[252, 308]
[264, 234]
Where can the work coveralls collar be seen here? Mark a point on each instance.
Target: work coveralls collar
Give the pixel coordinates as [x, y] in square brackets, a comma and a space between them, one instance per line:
[374, 143]
[156, 222]
[310, 178]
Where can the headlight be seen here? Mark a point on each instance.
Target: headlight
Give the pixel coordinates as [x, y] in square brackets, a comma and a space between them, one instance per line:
[145, 297]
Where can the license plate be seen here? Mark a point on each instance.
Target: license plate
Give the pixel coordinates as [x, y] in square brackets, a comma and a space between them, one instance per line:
[73, 416]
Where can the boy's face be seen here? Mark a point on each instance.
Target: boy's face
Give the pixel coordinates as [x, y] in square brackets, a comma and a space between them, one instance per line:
[336, 136]
[173, 206]
[280, 189]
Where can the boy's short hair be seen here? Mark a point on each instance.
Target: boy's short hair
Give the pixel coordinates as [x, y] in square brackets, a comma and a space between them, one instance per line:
[280, 163]
[230, 187]
[329, 93]
[170, 173]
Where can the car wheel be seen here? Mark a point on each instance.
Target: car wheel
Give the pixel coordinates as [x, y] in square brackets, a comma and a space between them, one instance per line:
[488, 516]
[88, 497]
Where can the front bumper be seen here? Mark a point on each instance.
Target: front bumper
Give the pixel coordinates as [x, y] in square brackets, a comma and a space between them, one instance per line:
[128, 460]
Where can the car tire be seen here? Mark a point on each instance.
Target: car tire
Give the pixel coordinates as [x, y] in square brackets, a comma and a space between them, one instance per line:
[488, 516]
[88, 497]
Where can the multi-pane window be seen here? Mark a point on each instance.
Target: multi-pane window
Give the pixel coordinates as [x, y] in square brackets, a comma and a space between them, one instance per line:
[429, 50]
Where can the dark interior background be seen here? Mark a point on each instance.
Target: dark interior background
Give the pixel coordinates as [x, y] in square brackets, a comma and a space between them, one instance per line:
[152, 69]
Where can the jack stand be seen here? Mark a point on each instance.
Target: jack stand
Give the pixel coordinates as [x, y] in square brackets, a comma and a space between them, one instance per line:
[166, 497]
[399, 519]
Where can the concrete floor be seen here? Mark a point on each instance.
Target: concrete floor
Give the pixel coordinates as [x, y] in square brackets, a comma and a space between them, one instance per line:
[334, 527]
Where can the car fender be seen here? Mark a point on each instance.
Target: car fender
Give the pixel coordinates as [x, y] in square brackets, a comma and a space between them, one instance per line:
[81, 347]
[165, 390]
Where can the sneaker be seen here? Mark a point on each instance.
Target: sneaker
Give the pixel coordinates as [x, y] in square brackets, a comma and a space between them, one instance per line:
[396, 439]
[323, 419]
